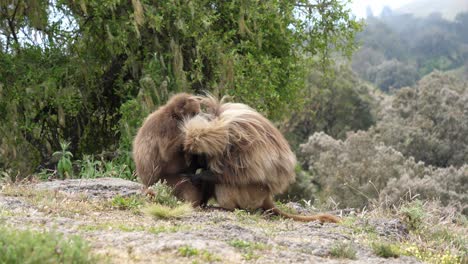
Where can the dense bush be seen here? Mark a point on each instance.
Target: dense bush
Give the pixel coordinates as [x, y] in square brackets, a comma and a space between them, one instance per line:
[428, 122]
[87, 72]
[335, 105]
[393, 74]
[399, 49]
[359, 170]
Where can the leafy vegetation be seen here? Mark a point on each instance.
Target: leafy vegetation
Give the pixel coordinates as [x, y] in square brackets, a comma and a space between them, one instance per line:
[343, 250]
[64, 166]
[125, 203]
[205, 256]
[385, 250]
[88, 72]
[165, 205]
[248, 248]
[399, 49]
[17, 246]
[167, 212]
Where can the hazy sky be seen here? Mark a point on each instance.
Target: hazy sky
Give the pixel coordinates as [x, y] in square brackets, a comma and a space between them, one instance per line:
[359, 6]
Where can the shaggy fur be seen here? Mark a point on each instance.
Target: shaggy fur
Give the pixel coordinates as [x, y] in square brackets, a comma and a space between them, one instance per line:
[158, 147]
[251, 159]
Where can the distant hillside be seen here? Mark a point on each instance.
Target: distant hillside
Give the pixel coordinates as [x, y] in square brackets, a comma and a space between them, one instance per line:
[448, 8]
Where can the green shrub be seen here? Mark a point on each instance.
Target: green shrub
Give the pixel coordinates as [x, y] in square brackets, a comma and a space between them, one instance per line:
[125, 203]
[40, 247]
[414, 214]
[359, 171]
[166, 205]
[385, 250]
[64, 165]
[343, 250]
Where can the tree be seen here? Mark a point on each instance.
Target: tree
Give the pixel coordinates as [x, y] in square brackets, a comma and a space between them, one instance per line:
[92, 76]
[334, 106]
[428, 122]
[393, 74]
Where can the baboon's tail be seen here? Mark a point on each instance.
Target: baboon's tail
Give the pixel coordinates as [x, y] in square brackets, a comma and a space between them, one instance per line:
[269, 205]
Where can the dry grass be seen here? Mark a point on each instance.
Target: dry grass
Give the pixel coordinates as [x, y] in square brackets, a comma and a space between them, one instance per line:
[167, 212]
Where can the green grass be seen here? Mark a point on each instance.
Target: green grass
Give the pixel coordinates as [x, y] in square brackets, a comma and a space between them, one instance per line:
[127, 203]
[343, 250]
[248, 248]
[163, 194]
[385, 250]
[414, 214]
[205, 256]
[166, 212]
[187, 251]
[40, 247]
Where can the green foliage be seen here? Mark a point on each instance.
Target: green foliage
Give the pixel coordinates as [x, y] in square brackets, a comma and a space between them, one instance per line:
[399, 49]
[91, 168]
[64, 165]
[169, 212]
[166, 205]
[91, 76]
[163, 194]
[40, 247]
[385, 250]
[205, 256]
[343, 250]
[414, 214]
[248, 248]
[428, 122]
[335, 105]
[127, 203]
[187, 251]
[361, 171]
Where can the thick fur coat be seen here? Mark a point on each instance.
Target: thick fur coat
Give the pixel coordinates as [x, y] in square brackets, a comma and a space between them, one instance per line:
[158, 146]
[242, 146]
[250, 158]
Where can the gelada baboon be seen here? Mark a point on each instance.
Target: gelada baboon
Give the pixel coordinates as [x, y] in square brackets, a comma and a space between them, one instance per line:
[250, 159]
[158, 149]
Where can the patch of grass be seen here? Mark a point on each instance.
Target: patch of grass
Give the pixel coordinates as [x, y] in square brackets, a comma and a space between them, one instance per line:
[445, 235]
[205, 256]
[40, 247]
[414, 214]
[343, 250]
[246, 216]
[385, 250]
[128, 228]
[250, 256]
[127, 203]
[54, 202]
[359, 227]
[166, 212]
[242, 244]
[187, 251]
[429, 256]
[91, 168]
[248, 248]
[163, 194]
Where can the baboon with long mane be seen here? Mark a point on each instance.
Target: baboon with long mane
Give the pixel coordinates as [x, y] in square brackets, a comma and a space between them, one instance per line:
[158, 149]
[250, 159]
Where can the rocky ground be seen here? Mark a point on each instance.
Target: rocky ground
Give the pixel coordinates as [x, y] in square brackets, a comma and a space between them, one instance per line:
[84, 208]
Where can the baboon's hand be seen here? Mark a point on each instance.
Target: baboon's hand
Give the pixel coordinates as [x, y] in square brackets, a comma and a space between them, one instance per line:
[198, 178]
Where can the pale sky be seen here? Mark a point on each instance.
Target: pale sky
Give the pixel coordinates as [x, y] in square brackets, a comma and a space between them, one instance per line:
[359, 6]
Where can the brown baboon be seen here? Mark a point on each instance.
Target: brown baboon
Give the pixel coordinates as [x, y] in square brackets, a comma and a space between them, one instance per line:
[250, 159]
[158, 149]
